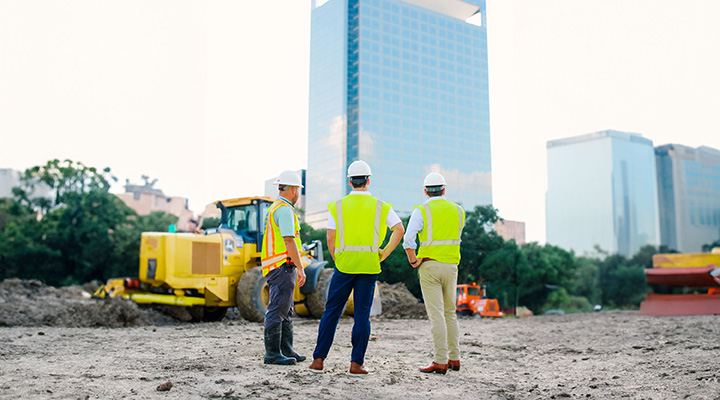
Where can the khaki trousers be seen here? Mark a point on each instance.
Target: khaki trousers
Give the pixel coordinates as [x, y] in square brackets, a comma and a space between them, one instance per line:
[438, 282]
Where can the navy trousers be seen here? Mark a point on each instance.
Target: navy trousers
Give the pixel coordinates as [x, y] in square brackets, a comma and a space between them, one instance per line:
[281, 282]
[338, 294]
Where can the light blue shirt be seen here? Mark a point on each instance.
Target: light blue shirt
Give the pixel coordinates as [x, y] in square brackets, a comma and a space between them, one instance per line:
[285, 218]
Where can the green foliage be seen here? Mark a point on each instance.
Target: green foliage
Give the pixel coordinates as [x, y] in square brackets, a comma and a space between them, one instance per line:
[82, 233]
[65, 178]
[560, 299]
[210, 223]
[308, 234]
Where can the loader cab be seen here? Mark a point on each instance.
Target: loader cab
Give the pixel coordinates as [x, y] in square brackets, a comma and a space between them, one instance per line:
[246, 216]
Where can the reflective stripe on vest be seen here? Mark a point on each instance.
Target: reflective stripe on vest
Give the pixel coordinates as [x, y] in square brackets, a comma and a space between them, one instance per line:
[274, 251]
[341, 232]
[431, 242]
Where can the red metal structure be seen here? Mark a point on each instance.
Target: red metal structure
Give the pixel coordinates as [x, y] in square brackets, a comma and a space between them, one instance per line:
[688, 270]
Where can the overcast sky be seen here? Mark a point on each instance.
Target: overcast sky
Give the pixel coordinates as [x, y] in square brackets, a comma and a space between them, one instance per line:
[211, 98]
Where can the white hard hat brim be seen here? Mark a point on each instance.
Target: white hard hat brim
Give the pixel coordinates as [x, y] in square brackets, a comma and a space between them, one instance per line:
[288, 184]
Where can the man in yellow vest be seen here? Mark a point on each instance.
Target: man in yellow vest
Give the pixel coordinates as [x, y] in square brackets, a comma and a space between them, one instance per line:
[281, 266]
[439, 224]
[357, 225]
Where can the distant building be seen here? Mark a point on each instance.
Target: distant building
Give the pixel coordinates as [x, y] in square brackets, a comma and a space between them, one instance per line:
[688, 182]
[145, 199]
[272, 191]
[9, 178]
[602, 191]
[511, 230]
[402, 85]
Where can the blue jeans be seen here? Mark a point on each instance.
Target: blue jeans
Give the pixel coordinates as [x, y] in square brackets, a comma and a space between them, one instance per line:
[338, 294]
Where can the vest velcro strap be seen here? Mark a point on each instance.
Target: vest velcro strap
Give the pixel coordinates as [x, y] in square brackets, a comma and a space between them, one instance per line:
[440, 243]
[274, 259]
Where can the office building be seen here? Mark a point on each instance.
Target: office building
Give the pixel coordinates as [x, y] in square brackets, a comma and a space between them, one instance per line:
[602, 192]
[688, 181]
[9, 178]
[402, 85]
[511, 230]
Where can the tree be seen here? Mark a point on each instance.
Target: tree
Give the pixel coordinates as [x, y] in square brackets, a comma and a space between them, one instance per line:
[545, 268]
[24, 252]
[64, 178]
[478, 240]
[73, 240]
[308, 234]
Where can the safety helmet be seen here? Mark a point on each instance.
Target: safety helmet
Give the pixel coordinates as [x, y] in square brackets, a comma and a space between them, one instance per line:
[359, 168]
[288, 178]
[434, 179]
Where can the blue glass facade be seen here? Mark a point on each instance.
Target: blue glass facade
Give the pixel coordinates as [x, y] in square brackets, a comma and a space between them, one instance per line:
[689, 196]
[402, 85]
[602, 192]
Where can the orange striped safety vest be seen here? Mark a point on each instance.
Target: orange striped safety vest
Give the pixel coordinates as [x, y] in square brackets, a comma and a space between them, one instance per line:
[274, 252]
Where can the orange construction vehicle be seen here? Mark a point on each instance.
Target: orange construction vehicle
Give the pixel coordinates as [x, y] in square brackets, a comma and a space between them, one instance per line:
[472, 300]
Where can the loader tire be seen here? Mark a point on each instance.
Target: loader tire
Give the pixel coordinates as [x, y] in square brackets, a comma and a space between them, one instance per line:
[315, 301]
[252, 295]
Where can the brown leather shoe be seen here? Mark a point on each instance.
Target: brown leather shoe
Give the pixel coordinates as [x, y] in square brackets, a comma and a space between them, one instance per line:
[454, 365]
[317, 366]
[436, 368]
[357, 369]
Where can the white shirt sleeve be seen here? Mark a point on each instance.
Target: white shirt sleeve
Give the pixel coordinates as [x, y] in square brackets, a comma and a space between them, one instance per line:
[331, 222]
[414, 226]
[392, 219]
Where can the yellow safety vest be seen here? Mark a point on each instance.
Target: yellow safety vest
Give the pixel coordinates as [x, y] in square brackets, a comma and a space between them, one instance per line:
[361, 226]
[274, 252]
[442, 230]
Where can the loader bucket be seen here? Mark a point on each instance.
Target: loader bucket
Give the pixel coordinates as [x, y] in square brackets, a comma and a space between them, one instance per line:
[681, 304]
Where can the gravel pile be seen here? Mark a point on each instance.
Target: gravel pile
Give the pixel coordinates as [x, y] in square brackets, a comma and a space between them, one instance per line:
[399, 303]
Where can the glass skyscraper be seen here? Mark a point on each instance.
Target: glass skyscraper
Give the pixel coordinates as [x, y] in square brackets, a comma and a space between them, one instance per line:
[403, 85]
[688, 182]
[602, 192]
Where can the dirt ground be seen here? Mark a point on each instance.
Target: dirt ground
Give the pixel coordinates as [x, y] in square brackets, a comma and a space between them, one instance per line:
[600, 355]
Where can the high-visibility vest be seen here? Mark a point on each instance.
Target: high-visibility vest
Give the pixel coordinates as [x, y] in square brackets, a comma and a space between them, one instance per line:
[274, 252]
[361, 226]
[442, 230]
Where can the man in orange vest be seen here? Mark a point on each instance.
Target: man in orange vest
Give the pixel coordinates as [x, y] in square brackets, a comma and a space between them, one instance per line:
[281, 266]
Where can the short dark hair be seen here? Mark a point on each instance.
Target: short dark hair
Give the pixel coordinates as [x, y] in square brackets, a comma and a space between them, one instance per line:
[358, 181]
[434, 191]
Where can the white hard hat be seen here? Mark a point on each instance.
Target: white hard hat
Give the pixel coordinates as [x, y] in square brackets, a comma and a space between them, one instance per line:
[288, 178]
[434, 179]
[359, 168]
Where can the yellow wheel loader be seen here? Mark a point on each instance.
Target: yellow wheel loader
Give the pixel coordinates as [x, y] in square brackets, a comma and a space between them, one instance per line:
[219, 268]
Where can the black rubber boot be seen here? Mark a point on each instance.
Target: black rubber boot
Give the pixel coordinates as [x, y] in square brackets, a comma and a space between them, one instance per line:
[286, 343]
[272, 347]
